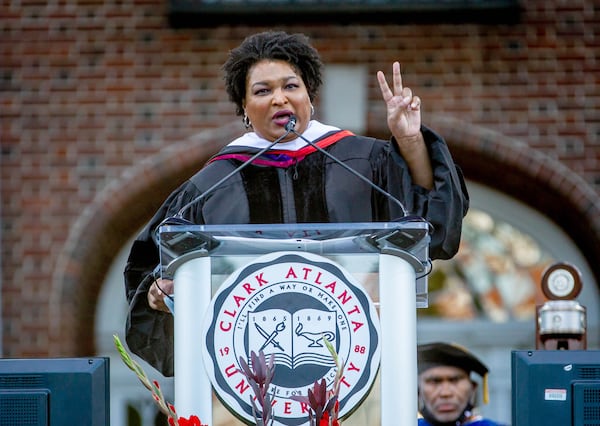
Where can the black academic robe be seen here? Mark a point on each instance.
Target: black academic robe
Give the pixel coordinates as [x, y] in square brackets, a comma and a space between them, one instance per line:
[310, 188]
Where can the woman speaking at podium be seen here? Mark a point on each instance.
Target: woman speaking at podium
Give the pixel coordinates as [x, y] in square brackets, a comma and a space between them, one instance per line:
[291, 168]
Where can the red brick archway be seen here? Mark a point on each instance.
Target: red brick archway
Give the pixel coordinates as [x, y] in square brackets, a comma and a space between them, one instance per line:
[105, 226]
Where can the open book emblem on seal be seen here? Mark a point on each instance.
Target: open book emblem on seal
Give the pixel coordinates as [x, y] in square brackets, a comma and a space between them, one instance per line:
[286, 304]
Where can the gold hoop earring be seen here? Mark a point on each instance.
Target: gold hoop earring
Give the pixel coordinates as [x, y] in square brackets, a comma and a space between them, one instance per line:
[246, 121]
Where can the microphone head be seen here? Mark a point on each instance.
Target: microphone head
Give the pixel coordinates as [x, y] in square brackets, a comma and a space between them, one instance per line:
[291, 124]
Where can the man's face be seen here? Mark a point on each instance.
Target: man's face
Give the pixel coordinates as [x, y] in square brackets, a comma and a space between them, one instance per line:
[445, 392]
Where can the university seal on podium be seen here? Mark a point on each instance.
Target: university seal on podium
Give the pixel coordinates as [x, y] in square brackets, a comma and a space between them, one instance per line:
[286, 304]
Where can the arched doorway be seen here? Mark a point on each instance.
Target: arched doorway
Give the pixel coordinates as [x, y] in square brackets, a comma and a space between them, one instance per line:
[119, 211]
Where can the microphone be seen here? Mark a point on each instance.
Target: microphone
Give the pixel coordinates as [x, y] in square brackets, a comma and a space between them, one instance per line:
[292, 127]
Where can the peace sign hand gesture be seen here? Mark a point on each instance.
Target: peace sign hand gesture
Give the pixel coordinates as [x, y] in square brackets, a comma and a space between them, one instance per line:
[403, 109]
[404, 121]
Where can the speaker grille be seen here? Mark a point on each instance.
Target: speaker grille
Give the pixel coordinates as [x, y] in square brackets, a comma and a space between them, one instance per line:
[21, 381]
[589, 373]
[586, 403]
[29, 408]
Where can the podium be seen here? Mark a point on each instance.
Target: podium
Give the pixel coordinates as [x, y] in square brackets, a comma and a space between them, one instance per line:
[200, 257]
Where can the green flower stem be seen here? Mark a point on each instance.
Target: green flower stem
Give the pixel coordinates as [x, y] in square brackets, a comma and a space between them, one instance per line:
[152, 386]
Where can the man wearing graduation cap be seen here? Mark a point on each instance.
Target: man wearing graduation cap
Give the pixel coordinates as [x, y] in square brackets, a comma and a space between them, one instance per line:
[446, 391]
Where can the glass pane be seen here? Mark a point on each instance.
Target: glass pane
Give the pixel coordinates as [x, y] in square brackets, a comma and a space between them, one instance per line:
[494, 276]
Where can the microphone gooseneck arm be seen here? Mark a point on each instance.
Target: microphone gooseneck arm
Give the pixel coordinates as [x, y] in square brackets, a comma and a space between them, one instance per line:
[292, 124]
[235, 171]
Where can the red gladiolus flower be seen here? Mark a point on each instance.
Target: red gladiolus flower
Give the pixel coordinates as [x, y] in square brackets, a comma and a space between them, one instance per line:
[182, 421]
[325, 419]
[192, 421]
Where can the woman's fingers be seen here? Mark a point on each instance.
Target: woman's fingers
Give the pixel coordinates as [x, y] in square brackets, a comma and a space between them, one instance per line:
[398, 89]
[156, 294]
[383, 85]
[415, 104]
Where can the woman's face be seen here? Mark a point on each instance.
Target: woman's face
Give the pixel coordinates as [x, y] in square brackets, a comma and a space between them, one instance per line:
[275, 91]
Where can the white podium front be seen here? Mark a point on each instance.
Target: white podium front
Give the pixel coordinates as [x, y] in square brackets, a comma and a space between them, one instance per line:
[200, 257]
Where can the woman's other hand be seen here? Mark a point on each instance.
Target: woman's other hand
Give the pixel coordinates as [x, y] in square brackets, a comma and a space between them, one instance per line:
[159, 289]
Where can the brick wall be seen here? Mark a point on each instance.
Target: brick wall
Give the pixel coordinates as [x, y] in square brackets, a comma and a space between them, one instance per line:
[99, 100]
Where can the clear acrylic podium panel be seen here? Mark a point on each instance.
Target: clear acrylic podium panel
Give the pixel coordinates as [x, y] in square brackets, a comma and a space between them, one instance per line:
[354, 246]
[390, 258]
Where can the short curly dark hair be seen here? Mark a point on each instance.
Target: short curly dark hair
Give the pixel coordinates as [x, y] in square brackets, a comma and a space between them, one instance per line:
[292, 48]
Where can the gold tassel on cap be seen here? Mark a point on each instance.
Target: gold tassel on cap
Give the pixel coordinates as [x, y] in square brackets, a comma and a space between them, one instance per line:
[486, 392]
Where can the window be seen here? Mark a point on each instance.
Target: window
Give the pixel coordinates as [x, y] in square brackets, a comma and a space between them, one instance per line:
[194, 13]
[495, 275]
